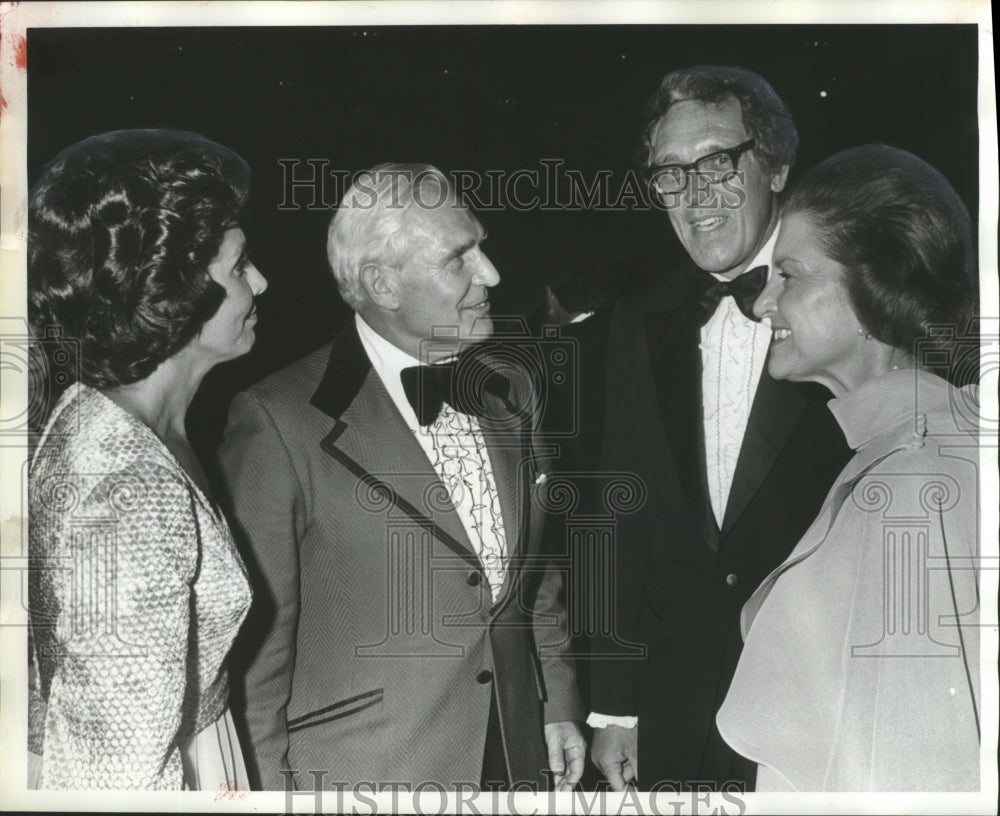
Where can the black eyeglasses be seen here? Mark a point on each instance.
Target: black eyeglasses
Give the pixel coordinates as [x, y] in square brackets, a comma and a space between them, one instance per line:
[667, 179]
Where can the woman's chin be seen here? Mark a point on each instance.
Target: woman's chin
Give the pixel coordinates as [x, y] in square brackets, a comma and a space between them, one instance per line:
[778, 369]
[246, 343]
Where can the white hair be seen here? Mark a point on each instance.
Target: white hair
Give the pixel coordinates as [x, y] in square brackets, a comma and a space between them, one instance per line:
[368, 225]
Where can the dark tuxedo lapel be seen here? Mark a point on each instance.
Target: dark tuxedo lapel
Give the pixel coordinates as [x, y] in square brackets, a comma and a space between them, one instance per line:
[776, 408]
[373, 442]
[673, 338]
[510, 452]
[505, 457]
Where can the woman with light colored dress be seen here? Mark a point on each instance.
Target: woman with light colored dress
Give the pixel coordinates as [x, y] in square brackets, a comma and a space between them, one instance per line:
[139, 283]
[860, 669]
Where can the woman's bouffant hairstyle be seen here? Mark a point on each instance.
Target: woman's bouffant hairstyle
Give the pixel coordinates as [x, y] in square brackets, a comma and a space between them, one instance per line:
[764, 114]
[122, 228]
[902, 233]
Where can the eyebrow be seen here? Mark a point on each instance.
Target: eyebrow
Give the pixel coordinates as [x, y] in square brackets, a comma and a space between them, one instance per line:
[460, 250]
[789, 260]
[708, 150]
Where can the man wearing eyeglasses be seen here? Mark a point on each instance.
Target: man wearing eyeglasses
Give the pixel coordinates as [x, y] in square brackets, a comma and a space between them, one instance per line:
[735, 464]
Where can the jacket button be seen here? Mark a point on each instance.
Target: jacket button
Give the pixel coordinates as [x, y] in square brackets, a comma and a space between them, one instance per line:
[732, 579]
[474, 579]
[485, 676]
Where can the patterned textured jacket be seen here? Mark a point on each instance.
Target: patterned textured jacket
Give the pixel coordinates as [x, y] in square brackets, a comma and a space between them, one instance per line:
[136, 594]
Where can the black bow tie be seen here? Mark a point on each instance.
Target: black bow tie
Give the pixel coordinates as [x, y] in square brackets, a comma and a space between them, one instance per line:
[461, 383]
[743, 289]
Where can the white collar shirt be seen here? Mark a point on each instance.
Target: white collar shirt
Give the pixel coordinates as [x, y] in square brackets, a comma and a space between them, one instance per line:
[475, 496]
[733, 351]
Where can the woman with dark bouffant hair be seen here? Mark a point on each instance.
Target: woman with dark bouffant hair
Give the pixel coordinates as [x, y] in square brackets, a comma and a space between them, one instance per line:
[860, 667]
[138, 276]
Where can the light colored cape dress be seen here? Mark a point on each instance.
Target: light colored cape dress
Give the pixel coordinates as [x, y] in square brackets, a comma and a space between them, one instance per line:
[860, 670]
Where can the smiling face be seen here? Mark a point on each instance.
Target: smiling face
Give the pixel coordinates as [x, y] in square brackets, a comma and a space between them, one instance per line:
[444, 280]
[229, 332]
[816, 334]
[721, 229]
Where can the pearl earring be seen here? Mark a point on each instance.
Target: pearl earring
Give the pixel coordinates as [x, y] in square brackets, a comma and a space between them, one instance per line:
[864, 334]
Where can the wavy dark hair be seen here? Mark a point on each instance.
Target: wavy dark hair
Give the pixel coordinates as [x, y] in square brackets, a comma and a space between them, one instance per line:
[764, 114]
[903, 235]
[122, 228]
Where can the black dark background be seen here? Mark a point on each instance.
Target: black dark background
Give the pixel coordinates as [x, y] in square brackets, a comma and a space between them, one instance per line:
[477, 98]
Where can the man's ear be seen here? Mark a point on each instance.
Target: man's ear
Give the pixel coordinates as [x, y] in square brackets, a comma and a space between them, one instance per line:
[381, 285]
[778, 179]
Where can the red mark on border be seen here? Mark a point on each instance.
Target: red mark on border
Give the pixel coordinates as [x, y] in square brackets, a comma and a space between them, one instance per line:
[230, 795]
[21, 54]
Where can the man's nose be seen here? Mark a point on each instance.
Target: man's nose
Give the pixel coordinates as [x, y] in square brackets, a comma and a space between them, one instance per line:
[258, 283]
[692, 193]
[767, 300]
[485, 272]
[700, 190]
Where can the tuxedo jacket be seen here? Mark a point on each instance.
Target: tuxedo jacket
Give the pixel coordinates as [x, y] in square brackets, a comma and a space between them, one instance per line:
[374, 644]
[679, 580]
[576, 414]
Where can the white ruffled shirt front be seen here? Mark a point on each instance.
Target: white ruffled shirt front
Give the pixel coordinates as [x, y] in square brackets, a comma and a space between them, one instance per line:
[475, 499]
[733, 351]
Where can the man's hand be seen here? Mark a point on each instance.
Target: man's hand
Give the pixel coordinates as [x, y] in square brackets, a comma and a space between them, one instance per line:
[567, 750]
[615, 753]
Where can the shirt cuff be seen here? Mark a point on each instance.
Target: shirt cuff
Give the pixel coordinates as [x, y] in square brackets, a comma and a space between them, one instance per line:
[604, 720]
